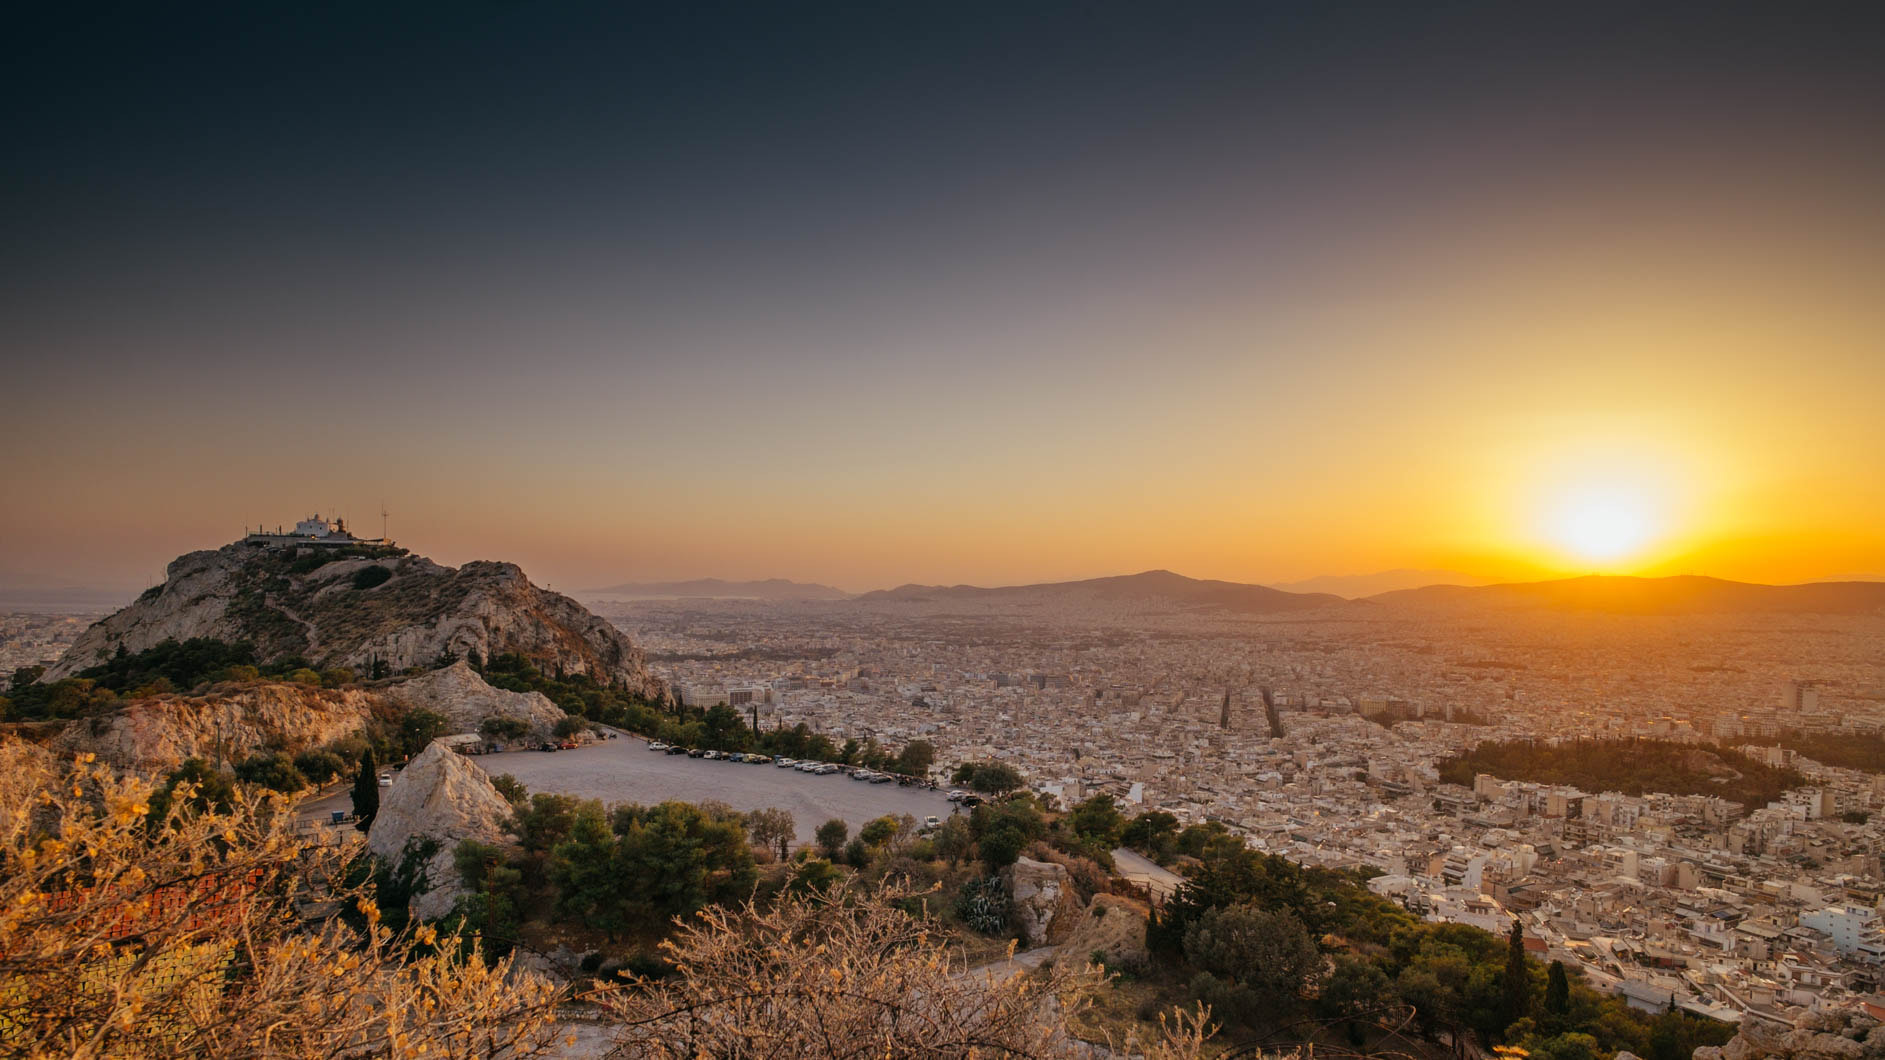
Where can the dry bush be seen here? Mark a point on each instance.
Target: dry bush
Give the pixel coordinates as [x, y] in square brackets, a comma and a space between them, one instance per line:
[852, 976]
[214, 935]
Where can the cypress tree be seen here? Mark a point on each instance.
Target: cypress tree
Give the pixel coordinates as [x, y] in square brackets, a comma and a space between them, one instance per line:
[1518, 994]
[1557, 990]
[366, 791]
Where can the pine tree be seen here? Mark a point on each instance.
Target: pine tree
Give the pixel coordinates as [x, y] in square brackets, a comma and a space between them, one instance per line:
[1518, 994]
[366, 791]
[1557, 990]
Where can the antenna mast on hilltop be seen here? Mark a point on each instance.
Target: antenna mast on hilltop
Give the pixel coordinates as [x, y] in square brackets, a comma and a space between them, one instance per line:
[382, 520]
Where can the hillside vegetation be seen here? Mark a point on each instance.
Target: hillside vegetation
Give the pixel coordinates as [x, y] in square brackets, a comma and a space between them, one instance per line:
[1633, 767]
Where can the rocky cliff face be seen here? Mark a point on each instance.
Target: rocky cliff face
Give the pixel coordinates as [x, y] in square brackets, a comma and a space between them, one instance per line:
[307, 602]
[1042, 901]
[458, 693]
[158, 733]
[445, 799]
[1816, 1036]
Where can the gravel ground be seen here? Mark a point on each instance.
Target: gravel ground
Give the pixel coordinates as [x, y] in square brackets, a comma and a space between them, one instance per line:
[624, 770]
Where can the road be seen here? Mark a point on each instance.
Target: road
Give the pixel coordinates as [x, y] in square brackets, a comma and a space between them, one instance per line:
[624, 770]
[1144, 871]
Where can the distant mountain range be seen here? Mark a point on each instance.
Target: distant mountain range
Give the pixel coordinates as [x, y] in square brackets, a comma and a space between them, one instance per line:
[769, 589]
[1356, 586]
[1681, 595]
[1150, 586]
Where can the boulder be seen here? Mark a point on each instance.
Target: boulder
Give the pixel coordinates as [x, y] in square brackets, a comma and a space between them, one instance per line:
[1706, 1052]
[1766, 1038]
[1816, 1045]
[444, 799]
[1737, 1048]
[1113, 928]
[465, 700]
[1042, 900]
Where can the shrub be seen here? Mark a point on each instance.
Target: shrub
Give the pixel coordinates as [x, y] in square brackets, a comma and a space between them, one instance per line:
[368, 577]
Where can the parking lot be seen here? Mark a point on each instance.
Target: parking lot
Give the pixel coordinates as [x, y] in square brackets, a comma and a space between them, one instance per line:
[624, 770]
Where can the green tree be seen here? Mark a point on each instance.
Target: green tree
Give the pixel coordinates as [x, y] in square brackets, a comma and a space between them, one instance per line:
[1517, 979]
[1154, 834]
[420, 727]
[366, 791]
[917, 757]
[212, 790]
[1355, 992]
[1001, 847]
[275, 771]
[830, 837]
[954, 839]
[544, 821]
[1557, 991]
[1268, 951]
[771, 828]
[880, 831]
[582, 868]
[1098, 822]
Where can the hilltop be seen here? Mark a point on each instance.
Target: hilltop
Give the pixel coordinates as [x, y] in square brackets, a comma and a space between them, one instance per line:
[363, 607]
[1149, 587]
[1681, 595]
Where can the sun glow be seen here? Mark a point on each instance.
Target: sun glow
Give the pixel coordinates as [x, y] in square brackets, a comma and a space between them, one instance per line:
[1602, 525]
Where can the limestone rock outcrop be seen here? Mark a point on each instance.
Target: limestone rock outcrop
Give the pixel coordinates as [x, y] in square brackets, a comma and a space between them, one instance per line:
[1814, 1036]
[443, 798]
[465, 700]
[228, 723]
[1112, 927]
[307, 602]
[1042, 901]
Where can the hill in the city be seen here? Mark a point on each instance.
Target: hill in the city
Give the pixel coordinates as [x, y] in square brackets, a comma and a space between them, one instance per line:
[1680, 595]
[715, 588]
[363, 608]
[1149, 587]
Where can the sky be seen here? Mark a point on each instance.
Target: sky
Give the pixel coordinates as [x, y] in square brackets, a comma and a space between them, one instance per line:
[981, 293]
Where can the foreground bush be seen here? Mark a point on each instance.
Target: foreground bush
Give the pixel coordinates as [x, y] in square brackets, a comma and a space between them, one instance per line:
[215, 934]
[843, 975]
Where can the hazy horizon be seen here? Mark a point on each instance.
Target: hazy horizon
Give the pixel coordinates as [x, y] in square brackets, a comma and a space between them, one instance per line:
[930, 296]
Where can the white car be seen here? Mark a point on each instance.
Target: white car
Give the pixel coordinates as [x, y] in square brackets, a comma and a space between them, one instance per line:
[386, 780]
[657, 746]
[786, 763]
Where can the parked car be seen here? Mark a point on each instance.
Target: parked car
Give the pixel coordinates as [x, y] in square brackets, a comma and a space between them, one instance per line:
[758, 760]
[785, 763]
[676, 749]
[931, 822]
[547, 747]
[881, 778]
[696, 753]
[386, 780]
[657, 746]
[956, 794]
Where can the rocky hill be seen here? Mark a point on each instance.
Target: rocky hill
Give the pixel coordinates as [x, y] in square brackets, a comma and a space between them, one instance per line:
[465, 700]
[355, 607]
[1149, 588]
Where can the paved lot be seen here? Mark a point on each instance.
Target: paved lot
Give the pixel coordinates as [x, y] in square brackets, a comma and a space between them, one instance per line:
[624, 770]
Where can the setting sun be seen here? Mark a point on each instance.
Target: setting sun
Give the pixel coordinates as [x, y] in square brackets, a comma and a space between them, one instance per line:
[1602, 526]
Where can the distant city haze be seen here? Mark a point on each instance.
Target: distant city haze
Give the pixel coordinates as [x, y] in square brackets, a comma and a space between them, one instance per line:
[909, 296]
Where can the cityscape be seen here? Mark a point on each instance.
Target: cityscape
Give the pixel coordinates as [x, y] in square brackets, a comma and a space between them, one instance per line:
[1034, 531]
